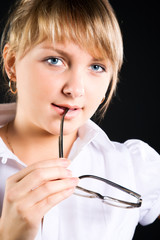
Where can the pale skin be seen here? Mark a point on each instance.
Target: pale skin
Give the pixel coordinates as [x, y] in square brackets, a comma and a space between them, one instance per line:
[48, 79]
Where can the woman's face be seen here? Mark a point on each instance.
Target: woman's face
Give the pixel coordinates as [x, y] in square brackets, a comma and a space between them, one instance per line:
[52, 78]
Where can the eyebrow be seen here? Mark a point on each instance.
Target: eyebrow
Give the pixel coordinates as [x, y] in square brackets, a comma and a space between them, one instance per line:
[56, 50]
[67, 54]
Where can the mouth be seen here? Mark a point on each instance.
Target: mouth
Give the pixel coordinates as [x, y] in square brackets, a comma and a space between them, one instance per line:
[72, 110]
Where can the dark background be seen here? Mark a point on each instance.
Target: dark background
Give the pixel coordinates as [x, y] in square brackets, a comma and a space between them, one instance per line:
[134, 111]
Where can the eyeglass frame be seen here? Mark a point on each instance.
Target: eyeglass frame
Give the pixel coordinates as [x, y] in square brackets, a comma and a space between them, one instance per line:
[113, 184]
[115, 200]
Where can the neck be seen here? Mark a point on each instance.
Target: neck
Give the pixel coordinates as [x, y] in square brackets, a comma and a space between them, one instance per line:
[31, 145]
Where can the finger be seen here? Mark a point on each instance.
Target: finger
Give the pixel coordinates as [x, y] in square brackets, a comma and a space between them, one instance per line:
[42, 207]
[59, 162]
[35, 179]
[46, 190]
[39, 176]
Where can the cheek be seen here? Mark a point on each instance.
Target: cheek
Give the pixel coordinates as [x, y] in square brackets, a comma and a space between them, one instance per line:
[98, 91]
[26, 76]
[46, 83]
[32, 80]
[95, 97]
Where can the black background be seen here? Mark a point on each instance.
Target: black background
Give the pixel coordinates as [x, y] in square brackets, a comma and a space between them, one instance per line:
[134, 111]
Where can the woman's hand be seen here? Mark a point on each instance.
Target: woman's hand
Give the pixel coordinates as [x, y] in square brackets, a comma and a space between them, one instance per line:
[30, 194]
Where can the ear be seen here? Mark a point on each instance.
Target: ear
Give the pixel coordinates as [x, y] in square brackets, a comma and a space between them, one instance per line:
[9, 62]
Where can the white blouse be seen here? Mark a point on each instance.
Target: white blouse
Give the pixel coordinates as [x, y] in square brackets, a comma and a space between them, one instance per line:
[132, 164]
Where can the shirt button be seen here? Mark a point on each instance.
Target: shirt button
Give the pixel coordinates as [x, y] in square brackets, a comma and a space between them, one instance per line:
[4, 160]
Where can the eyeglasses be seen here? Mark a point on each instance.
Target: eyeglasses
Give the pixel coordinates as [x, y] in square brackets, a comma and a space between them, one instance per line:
[91, 186]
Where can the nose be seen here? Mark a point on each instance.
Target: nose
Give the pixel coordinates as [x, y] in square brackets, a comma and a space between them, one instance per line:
[74, 86]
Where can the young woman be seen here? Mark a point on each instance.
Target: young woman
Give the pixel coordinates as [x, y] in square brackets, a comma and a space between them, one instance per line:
[62, 59]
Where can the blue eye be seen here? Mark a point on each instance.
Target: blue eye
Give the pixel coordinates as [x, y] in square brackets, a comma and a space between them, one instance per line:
[54, 61]
[97, 68]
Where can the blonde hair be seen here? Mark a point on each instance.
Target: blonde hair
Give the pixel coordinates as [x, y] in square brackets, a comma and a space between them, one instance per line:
[90, 23]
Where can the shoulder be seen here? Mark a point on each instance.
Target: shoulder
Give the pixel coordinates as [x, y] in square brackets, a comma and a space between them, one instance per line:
[142, 149]
[7, 112]
[2, 132]
[134, 148]
[145, 160]
[139, 151]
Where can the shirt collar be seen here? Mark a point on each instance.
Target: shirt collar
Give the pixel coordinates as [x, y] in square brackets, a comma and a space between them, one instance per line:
[6, 154]
[90, 132]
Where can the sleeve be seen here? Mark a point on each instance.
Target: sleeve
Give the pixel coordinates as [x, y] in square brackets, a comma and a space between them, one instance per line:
[146, 164]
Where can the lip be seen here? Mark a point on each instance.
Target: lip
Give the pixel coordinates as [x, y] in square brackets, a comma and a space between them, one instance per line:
[72, 113]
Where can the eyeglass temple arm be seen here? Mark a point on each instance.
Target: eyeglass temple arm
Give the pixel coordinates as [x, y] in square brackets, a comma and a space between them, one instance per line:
[126, 190]
[61, 134]
[113, 184]
[104, 198]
